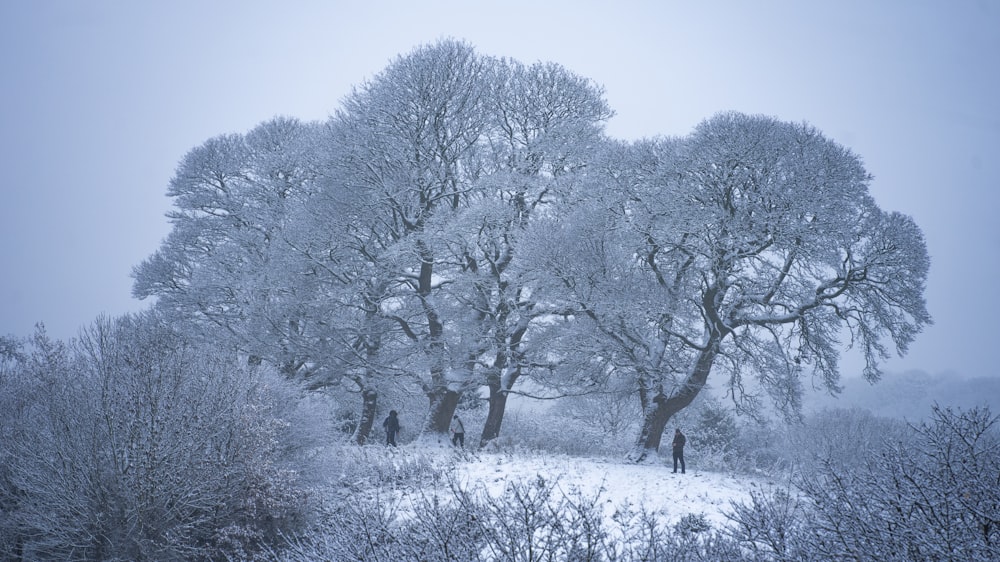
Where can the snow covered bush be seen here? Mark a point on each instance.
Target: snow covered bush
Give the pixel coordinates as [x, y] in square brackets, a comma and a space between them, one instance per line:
[548, 431]
[609, 418]
[842, 436]
[535, 519]
[936, 498]
[641, 535]
[359, 515]
[132, 444]
[769, 527]
[373, 466]
[932, 495]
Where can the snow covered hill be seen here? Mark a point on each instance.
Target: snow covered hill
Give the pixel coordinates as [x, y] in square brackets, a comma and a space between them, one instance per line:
[618, 484]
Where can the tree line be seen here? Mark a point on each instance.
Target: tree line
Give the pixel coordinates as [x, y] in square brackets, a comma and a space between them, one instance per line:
[462, 222]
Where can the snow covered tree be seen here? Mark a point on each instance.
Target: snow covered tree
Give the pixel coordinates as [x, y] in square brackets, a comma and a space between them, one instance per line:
[781, 249]
[748, 248]
[214, 272]
[453, 153]
[545, 123]
[339, 274]
[353, 253]
[459, 211]
[411, 134]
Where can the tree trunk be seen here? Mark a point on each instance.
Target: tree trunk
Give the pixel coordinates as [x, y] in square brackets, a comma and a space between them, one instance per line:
[494, 417]
[443, 403]
[665, 407]
[654, 421]
[443, 400]
[369, 398]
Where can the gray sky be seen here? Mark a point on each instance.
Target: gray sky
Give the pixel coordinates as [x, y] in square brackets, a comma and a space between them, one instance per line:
[102, 98]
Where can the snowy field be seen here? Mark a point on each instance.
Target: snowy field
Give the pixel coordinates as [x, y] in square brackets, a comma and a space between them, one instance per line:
[618, 484]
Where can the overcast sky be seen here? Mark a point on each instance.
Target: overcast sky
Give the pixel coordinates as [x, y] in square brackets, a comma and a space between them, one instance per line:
[101, 99]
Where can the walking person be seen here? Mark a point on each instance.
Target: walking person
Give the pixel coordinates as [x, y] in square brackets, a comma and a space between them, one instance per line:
[679, 441]
[457, 432]
[391, 425]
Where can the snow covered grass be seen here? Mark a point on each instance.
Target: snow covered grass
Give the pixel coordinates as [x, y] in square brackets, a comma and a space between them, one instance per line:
[426, 501]
[618, 484]
[415, 469]
[396, 487]
[911, 496]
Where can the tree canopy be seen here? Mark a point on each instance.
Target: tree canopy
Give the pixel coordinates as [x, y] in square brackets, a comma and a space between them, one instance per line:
[462, 222]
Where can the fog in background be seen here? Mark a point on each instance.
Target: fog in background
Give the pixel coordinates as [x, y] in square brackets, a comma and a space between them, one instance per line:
[101, 100]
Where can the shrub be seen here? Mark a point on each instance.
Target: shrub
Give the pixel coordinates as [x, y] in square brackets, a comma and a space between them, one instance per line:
[930, 495]
[133, 443]
[532, 520]
[932, 498]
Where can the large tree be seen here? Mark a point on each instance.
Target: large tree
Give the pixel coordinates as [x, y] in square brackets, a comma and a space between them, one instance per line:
[336, 289]
[269, 251]
[405, 207]
[411, 136]
[220, 269]
[545, 123]
[750, 249]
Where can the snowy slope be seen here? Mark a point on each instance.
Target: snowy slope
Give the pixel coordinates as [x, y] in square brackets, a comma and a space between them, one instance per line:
[620, 484]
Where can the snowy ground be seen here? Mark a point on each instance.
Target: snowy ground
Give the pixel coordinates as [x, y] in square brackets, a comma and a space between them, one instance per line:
[652, 486]
[619, 484]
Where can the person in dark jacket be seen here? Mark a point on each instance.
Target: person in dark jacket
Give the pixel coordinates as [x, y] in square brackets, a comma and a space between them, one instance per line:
[679, 441]
[391, 425]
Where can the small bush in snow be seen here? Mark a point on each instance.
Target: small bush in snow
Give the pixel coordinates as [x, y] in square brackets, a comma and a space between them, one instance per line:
[133, 444]
[932, 495]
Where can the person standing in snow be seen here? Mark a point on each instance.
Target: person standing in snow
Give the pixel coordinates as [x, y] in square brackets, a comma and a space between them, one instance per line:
[391, 425]
[457, 432]
[679, 441]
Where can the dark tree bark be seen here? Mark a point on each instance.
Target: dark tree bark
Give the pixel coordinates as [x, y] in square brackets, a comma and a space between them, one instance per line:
[443, 403]
[497, 407]
[495, 382]
[369, 399]
[442, 399]
[665, 407]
